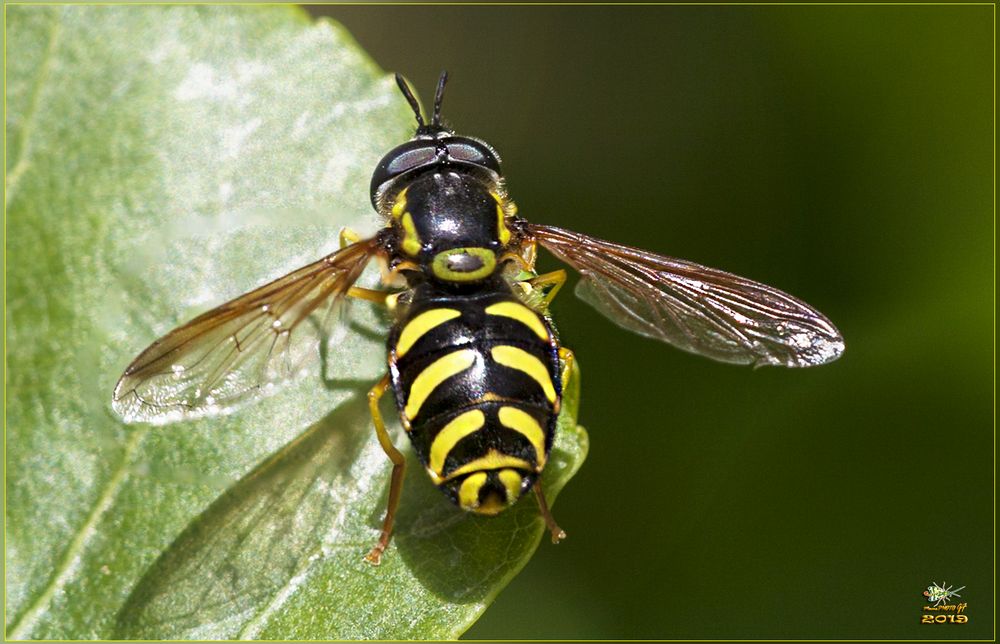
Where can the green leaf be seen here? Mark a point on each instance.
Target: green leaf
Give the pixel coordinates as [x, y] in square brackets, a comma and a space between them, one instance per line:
[161, 160]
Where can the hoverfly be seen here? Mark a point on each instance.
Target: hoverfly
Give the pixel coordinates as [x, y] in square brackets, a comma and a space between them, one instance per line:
[940, 594]
[474, 362]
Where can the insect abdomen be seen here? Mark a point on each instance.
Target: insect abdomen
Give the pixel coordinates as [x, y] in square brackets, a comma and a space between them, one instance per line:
[476, 381]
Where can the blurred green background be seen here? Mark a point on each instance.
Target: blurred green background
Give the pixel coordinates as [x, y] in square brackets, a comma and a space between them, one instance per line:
[841, 153]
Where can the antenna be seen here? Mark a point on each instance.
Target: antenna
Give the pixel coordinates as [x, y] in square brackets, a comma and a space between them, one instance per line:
[438, 97]
[405, 88]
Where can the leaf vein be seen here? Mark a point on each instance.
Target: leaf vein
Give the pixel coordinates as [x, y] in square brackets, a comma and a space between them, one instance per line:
[67, 565]
[23, 157]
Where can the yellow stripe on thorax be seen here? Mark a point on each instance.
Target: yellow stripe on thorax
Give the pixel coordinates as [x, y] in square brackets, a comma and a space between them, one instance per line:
[450, 434]
[437, 372]
[521, 360]
[421, 325]
[521, 313]
[411, 240]
[400, 204]
[524, 424]
[503, 233]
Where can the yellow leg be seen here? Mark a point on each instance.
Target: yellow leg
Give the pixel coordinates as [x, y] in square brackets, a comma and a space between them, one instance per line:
[525, 259]
[518, 259]
[348, 237]
[398, 469]
[372, 295]
[550, 283]
[558, 534]
[393, 278]
[531, 254]
[567, 358]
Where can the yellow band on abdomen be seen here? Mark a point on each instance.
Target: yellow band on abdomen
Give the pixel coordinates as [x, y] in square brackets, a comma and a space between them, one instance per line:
[522, 314]
[421, 325]
[521, 360]
[437, 372]
[525, 424]
[511, 480]
[493, 460]
[468, 492]
[460, 427]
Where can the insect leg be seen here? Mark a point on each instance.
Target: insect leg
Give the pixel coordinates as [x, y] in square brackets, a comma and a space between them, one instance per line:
[393, 277]
[550, 283]
[530, 253]
[370, 294]
[567, 357]
[348, 237]
[558, 534]
[398, 469]
[525, 259]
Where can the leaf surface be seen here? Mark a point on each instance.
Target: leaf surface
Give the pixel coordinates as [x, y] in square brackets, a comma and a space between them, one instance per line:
[159, 161]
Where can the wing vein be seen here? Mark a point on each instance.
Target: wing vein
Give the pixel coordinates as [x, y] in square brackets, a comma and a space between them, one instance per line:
[699, 309]
[223, 357]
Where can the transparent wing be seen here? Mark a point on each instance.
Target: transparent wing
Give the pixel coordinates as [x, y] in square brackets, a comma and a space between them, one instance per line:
[699, 309]
[242, 349]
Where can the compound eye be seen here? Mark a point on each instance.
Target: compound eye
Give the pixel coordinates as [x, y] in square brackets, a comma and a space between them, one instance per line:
[474, 152]
[409, 159]
[400, 160]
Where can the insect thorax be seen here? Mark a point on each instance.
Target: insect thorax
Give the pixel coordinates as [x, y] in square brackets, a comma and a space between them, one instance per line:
[451, 224]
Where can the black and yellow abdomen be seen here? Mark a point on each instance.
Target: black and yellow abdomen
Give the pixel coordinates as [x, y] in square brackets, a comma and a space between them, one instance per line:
[476, 379]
